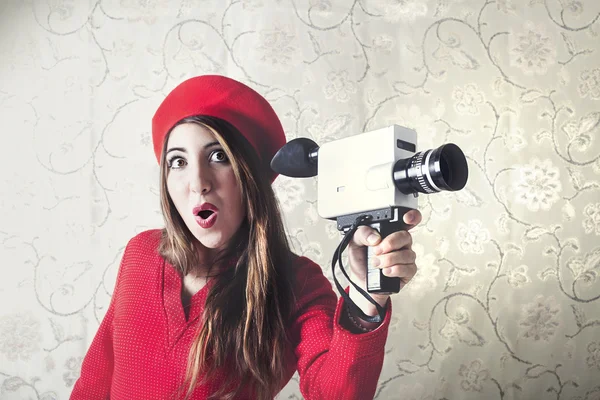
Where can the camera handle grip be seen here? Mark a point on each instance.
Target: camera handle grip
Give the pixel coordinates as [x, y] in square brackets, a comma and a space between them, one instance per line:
[377, 282]
[385, 221]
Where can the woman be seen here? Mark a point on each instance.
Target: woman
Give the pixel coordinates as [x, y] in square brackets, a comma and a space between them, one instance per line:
[216, 305]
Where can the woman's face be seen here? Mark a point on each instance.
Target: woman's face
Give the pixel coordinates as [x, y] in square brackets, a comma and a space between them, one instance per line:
[202, 185]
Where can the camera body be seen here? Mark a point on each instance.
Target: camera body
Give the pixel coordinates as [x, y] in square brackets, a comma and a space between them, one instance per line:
[355, 174]
[373, 179]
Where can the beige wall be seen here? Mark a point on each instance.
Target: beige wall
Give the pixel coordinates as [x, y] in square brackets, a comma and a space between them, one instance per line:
[506, 301]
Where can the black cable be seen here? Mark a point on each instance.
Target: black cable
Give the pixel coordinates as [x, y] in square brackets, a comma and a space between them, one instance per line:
[337, 257]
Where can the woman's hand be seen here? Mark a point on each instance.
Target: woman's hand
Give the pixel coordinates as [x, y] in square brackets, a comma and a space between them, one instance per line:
[394, 254]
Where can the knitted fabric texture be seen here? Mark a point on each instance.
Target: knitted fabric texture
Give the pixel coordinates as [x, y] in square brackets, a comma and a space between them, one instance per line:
[141, 347]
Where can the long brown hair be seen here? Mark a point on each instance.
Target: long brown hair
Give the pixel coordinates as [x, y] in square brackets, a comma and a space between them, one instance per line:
[248, 308]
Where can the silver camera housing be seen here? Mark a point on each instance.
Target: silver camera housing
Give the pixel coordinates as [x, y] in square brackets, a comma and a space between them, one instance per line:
[355, 174]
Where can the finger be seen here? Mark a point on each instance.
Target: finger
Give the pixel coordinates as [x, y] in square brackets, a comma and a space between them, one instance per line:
[412, 218]
[404, 271]
[365, 236]
[406, 256]
[393, 242]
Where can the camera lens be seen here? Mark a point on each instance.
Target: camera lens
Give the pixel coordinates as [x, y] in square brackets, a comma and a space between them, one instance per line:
[432, 171]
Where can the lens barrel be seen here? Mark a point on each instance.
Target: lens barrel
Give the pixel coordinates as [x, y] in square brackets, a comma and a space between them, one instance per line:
[432, 171]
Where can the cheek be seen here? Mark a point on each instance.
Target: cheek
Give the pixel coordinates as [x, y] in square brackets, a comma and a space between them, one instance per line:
[241, 206]
[236, 193]
[175, 188]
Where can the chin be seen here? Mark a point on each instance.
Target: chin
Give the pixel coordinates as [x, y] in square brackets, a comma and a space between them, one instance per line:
[210, 240]
[211, 244]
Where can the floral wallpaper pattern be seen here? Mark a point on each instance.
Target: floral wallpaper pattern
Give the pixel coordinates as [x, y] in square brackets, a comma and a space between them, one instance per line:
[506, 303]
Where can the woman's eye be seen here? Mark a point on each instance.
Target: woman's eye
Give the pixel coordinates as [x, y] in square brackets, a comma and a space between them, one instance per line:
[176, 162]
[218, 156]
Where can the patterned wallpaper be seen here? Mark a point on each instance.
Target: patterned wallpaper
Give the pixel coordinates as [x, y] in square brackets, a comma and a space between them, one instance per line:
[506, 303]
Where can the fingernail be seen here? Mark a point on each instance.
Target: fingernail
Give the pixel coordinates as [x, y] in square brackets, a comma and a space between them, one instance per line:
[376, 261]
[410, 219]
[372, 239]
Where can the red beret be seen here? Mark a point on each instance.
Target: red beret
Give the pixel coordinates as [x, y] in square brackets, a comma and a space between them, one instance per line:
[225, 98]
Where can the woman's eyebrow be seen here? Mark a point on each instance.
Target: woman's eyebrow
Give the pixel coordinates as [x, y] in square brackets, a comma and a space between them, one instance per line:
[183, 150]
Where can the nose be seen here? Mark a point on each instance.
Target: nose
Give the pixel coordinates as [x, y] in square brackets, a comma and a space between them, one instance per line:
[200, 182]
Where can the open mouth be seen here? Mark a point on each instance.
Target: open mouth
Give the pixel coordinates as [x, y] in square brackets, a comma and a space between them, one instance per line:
[205, 214]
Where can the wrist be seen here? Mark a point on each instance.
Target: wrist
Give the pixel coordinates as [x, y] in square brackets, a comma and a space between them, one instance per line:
[358, 325]
[365, 305]
[362, 303]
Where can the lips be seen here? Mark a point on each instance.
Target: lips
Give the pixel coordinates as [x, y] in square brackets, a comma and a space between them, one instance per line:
[205, 214]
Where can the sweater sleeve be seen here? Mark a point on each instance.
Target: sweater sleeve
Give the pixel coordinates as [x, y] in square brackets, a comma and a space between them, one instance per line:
[97, 367]
[333, 363]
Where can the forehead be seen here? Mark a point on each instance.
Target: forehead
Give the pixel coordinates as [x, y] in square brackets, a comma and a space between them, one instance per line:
[190, 135]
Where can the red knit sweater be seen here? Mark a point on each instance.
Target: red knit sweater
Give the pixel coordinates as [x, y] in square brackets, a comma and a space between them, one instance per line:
[141, 347]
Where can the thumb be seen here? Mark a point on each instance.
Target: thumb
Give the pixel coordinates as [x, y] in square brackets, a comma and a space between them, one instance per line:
[365, 236]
